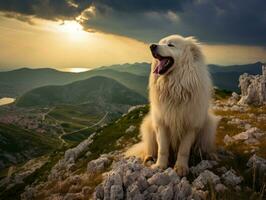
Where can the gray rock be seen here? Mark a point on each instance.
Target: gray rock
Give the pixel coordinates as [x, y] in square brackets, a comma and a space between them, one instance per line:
[198, 194]
[221, 169]
[112, 179]
[182, 189]
[72, 154]
[204, 178]
[167, 192]
[152, 189]
[174, 178]
[231, 179]
[203, 165]
[159, 179]
[131, 129]
[253, 88]
[153, 196]
[250, 136]
[234, 98]
[99, 192]
[116, 192]
[98, 165]
[133, 193]
[252, 141]
[228, 140]
[241, 136]
[134, 108]
[130, 177]
[256, 162]
[147, 172]
[142, 183]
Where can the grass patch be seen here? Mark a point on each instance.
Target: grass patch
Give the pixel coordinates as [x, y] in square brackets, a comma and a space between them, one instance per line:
[79, 136]
[106, 138]
[221, 94]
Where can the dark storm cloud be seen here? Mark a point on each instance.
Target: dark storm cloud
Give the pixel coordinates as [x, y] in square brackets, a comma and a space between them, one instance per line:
[212, 21]
[135, 6]
[48, 9]
[240, 22]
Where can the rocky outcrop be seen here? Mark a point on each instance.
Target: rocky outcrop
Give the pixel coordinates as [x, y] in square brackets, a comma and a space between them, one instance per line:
[230, 106]
[129, 179]
[99, 164]
[253, 88]
[69, 158]
[72, 154]
[250, 136]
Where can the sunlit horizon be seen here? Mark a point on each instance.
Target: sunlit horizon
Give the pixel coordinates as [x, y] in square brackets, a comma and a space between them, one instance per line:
[75, 69]
[66, 45]
[72, 29]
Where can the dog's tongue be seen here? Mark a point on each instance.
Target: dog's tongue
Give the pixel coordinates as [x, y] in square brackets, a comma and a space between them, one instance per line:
[160, 65]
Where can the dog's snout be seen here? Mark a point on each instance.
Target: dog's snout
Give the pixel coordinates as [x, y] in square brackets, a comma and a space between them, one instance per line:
[153, 47]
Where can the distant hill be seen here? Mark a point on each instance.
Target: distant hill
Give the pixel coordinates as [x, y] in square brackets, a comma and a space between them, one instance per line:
[133, 76]
[17, 82]
[254, 68]
[96, 90]
[140, 69]
[226, 77]
[132, 81]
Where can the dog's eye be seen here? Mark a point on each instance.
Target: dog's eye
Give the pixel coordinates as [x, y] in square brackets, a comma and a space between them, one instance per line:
[170, 45]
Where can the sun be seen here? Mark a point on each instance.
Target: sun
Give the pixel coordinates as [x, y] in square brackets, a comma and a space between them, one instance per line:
[73, 29]
[74, 69]
[78, 69]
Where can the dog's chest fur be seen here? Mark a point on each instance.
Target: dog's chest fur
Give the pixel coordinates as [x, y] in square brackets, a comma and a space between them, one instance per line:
[176, 108]
[169, 100]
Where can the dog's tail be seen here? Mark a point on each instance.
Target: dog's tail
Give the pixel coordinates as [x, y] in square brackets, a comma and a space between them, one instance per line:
[148, 146]
[136, 150]
[206, 141]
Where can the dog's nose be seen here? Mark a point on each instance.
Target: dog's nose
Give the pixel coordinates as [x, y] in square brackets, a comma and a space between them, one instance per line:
[153, 47]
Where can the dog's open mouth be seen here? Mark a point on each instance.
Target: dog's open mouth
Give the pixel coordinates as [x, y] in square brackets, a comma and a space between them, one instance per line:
[164, 63]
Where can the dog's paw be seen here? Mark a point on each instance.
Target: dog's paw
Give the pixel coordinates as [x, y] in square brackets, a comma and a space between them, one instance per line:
[148, 161]
[158, 166]
[181, 170]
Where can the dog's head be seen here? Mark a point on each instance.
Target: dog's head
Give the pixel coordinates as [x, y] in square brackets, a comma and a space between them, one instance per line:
[171, 51]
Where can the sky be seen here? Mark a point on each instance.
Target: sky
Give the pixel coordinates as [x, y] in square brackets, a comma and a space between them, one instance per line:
[67, 34]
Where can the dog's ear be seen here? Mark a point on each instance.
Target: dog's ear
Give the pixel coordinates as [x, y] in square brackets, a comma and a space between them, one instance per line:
[196, 52]
[194, 48]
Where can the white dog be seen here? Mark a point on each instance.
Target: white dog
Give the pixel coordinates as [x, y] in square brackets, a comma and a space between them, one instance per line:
[180, 92]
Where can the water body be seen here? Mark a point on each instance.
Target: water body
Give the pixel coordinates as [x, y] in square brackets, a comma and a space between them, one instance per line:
[6, 100]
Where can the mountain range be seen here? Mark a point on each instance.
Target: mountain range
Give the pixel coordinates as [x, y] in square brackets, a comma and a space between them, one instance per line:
[133, 76]
[95, 90]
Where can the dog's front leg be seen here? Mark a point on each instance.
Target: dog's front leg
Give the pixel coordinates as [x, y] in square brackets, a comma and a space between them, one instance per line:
[186, 142]
[163, 148]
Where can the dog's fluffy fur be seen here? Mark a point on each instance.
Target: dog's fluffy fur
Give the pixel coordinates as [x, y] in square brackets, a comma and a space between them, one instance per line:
[179, 107]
